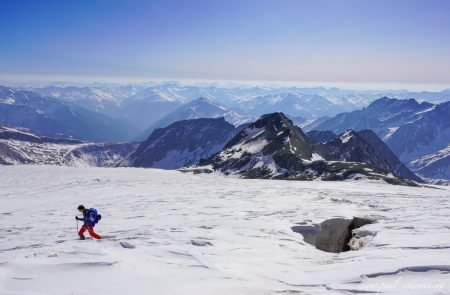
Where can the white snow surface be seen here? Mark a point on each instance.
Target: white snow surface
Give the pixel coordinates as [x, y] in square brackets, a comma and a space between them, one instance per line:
[45, 153]
[175, 233]
[315, 157]
[390, 133]
[346, 136]
[58, 153]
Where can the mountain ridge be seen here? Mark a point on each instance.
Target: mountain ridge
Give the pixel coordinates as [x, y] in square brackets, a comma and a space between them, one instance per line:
[272, 147]
[182, 143]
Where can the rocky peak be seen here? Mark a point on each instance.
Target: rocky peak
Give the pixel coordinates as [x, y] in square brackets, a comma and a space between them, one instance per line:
[366, 147]
[278, 133]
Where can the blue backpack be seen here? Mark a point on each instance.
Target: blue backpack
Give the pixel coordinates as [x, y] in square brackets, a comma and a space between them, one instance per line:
[94, 216]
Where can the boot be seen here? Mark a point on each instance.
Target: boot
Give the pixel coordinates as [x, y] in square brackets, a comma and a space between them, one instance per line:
[82, 237]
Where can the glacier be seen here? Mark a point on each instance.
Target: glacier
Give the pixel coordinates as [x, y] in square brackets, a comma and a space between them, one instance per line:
[167, 232]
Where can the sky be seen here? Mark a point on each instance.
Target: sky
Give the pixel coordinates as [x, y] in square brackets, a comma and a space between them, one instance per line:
[346, 41]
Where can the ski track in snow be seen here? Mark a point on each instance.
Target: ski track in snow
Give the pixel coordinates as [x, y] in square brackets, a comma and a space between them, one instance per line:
[173, 233]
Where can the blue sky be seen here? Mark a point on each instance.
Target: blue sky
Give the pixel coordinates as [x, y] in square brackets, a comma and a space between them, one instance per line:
[352, 41]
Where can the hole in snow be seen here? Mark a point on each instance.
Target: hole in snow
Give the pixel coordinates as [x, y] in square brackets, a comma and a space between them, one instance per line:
[334, 235]
[127, 245]
[200, 243]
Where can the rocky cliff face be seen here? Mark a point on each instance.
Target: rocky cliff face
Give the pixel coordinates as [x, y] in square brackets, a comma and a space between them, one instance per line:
[182, 143]
[365, 147]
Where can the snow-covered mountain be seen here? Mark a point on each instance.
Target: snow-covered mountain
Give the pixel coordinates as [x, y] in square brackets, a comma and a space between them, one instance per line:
[429, 96]
[139, 105]
[434, 166]
[138, 102]
[23, 147]
[272, 147]
[366, 147]
[382, 116]
[102, 100]
[412, 130]
[429, 133]
[84, 94]
[57, 118]
[294, 104]
[150, 105]
[199, 108]
[142, 105]
[182, 143]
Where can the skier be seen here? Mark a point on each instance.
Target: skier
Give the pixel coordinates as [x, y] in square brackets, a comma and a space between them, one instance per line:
[90, 218]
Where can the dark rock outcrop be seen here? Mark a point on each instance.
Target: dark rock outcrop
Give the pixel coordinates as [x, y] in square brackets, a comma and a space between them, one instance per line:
[365, 147]
[332, 235]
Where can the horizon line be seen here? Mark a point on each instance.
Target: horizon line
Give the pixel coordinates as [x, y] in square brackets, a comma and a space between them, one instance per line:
[87, 80]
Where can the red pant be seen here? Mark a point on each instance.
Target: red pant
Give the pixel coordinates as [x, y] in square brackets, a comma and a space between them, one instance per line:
[90, 229]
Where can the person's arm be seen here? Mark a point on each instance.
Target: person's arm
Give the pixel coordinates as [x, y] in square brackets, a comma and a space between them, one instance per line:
[86, 217]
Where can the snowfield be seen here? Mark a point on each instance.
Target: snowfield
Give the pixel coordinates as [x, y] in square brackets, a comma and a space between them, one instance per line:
[172, 233]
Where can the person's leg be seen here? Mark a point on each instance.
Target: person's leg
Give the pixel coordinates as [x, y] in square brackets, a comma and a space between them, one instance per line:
[81, 232]
[92, 233]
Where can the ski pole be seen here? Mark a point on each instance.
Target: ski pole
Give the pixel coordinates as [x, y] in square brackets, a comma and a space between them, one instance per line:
[76, 220]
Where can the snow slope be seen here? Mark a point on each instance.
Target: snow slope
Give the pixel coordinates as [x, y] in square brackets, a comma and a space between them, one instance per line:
[23, 147]
[436, 165]
[160, 219]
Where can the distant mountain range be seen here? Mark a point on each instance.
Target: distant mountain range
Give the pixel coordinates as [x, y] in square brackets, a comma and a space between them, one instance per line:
[382, 116]
[271, 147]
[98, 99]
[145, 104]
[145, 107]
[56, 118]
[416, 132]
[195, 109]
[307, 106]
